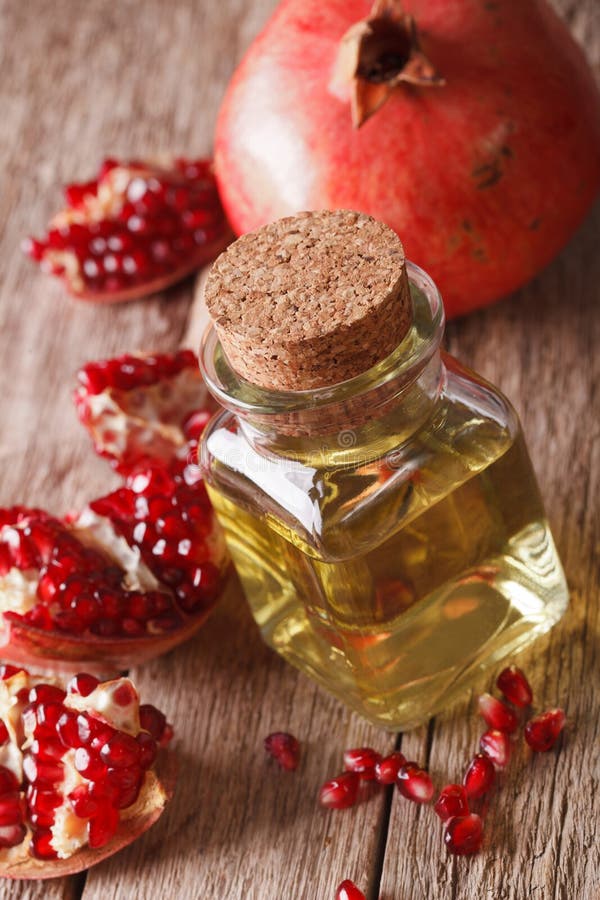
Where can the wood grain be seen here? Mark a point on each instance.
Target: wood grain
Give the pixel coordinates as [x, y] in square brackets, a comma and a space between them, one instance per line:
[83, 80]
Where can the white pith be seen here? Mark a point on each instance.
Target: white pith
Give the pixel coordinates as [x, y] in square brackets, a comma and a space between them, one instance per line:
[18, 590]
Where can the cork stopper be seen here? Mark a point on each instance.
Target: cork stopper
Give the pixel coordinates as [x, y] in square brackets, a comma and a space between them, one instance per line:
[310, 300]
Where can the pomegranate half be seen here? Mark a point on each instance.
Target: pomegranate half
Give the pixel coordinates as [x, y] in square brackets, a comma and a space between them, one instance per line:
[471, 127]
[82, 771]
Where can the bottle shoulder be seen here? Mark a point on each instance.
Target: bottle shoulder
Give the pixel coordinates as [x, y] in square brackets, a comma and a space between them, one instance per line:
[336, 511]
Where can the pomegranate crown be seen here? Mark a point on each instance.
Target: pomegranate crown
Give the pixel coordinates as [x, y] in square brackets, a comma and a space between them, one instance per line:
[378, 54]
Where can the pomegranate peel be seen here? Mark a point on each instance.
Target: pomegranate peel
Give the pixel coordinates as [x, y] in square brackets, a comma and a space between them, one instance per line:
[134, 230]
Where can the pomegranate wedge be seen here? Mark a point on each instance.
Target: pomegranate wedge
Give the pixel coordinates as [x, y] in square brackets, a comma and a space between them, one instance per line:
[79, 593]
[137, 228]
[137, 406]
[80, 773]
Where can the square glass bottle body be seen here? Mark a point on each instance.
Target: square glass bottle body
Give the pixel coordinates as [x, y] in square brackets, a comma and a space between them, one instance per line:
[388, 532]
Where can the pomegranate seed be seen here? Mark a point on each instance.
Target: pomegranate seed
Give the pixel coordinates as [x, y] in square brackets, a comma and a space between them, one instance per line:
[362, 760]
[341, 792]
[8, 781]
[42, 801]
[120, 751]
[11, 812]
[497, 714]
[68, 731]
[414, 783]
[41, 845]
[464, 835]
[46, 693]
[148, 749]
[46, 718]
[387, 768]
[347, 890]
[495, 745]
[47, 749]
[103, 826]
[88, 765]
[82, 684]
[480, 776]
[4, 735]
[83, 803]
[152, 720]
[515, 687]
[12, 835]
[7, 671]
[542, 732]
[42, 773]
[285, 748]
[452, 802]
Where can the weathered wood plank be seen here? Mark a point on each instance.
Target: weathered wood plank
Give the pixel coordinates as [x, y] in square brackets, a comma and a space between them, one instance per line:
[80, 81]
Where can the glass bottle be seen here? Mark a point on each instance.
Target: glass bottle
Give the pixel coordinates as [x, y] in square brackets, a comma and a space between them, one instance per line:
[393, 555]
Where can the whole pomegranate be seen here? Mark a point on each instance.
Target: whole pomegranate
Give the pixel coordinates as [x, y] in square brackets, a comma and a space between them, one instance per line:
[471, 127]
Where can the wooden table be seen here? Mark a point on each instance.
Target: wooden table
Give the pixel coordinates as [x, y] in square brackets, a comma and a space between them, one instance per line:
[81, 80]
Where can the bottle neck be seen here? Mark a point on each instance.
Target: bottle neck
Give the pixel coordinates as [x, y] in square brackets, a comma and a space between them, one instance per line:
[354, 421]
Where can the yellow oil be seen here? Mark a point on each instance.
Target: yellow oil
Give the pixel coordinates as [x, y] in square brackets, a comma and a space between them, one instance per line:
[419, 579]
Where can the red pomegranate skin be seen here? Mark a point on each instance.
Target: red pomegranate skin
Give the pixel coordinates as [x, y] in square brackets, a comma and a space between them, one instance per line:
[484, 179]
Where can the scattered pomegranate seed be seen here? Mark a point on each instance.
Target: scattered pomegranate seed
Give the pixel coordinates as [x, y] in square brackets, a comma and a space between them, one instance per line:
[497, 714]
[133, 230]
[347, 890]
[496, 745]
[452, 802]
[362, 760]
[514, 685]
[542, 731]
[284, 748]
[341, 792]
[480, 776]
[387, 768]
[464, 835]
[414, 783]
